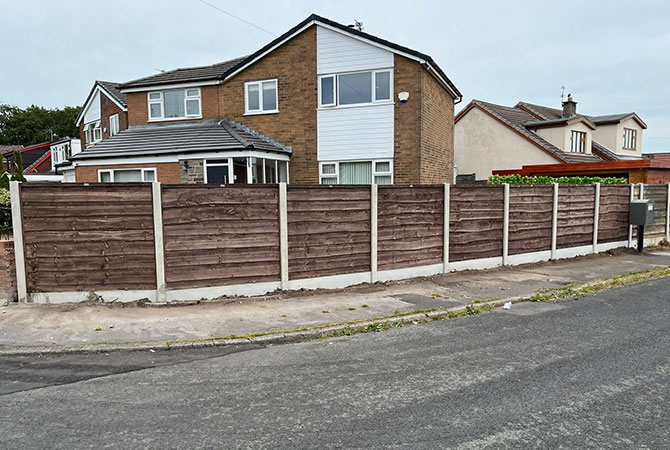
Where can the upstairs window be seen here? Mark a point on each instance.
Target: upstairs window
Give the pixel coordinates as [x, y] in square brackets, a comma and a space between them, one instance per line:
[93, 133]
[357, 88]
[261, 97]
[629, 139]
[113, 124]
[175, 104]
[578, 142]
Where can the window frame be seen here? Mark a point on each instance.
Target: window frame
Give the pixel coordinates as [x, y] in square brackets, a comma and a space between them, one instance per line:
[633, 138]
[161, 102]
[113, 125]
[375, 172]
[143, 170]
[579, 147]
[373, 96]
[247, 111]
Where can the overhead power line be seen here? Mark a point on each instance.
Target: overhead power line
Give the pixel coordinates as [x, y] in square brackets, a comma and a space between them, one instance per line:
[236, 17]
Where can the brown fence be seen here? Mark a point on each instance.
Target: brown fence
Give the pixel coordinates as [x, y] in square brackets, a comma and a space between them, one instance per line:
[225, 240]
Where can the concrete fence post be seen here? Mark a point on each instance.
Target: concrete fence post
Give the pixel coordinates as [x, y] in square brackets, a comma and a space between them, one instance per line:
[19, 248]
[667, 214]
[283, 236]
[505, 224]
[554, 222]
[596, 218]
[374, 190]
[447, 209]
[641, 190]
[630, 227]
[159, 242]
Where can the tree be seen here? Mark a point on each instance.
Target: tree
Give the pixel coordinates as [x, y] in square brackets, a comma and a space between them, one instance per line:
[4, 173]
[18, 163]
[36, 124]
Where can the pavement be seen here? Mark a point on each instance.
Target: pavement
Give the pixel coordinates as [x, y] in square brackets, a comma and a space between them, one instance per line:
[590, 372]
[40, 327]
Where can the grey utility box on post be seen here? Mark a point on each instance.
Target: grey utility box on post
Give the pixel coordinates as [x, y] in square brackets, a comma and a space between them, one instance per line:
[641, 212]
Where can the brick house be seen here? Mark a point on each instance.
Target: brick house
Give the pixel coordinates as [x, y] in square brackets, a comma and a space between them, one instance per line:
[104, 113]
[323, 103]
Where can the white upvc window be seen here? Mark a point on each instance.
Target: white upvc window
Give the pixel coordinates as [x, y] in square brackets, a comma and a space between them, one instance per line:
[126, 175]
[261, 97]
[356, 172]
[246, 170]
[356, 88]
[174, 104]
[113, 124]
[93, 132]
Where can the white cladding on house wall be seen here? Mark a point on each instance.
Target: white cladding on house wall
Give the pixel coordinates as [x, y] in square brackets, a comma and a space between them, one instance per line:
[337, 52]
[93, 112]
[352, 133]
[355, 133]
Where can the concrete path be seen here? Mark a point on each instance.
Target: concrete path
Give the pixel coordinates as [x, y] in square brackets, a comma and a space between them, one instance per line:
[77, 324]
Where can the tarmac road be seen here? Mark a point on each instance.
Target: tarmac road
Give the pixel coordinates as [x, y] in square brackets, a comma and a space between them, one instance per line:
[592, 372]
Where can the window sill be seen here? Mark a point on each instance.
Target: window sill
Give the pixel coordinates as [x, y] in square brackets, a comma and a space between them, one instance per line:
[260, 113]
[357, 105]
[172, 119]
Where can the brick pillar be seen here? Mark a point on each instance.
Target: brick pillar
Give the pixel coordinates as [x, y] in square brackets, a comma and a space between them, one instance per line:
[7, 272]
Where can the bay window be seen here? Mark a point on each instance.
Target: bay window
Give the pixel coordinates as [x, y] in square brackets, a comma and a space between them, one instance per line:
[356, 172]
[174, 104]
[356, 88]
[261, 97]
[126, 175]
[246, 170]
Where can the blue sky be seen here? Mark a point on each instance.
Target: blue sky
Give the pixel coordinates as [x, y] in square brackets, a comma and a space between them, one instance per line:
[613, 56]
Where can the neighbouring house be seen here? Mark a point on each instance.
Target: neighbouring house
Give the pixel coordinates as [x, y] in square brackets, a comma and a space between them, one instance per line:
[61, 152]
[490, 137]
[324, 103]
[104, 113]
[37, 161]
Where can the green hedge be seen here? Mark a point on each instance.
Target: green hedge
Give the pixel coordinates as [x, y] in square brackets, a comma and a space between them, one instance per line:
[518, 179]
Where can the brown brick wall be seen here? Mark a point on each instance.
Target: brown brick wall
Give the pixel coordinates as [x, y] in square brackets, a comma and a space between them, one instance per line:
[7, 272]
[167, 173]
[107, 108]
[294, 66]
[437, 132]
[138, 108]
[407, 76]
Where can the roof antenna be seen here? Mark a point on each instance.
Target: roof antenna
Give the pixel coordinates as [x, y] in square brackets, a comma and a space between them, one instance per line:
[357, 25]
[562, 93]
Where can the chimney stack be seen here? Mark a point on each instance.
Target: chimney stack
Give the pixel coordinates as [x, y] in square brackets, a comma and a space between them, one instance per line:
[569, 107]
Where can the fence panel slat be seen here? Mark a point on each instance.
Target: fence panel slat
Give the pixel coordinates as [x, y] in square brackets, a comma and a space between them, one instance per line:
[218, 236]
[613, 220]
[530, 218]
[88, 238]
[328, 230]
[575, 216]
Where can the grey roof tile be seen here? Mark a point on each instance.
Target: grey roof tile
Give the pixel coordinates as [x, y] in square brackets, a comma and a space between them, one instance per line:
[204, 136]
[185, 75]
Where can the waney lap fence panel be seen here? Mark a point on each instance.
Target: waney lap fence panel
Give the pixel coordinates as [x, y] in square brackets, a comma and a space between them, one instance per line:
[657, 194]
[85, 238]
[410, 226]
[220, 235]
[576, 206]
[476, 222]
[613, 215]
[328, 230]
[530, 217]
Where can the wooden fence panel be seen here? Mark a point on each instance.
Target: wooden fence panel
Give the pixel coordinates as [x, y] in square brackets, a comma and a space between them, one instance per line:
[220, 235]
[658, 195]
[530, 215]
[86, 238]
[410, 226]
[328, 230]
[613, 218]
[476, 222]
[576, 206]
